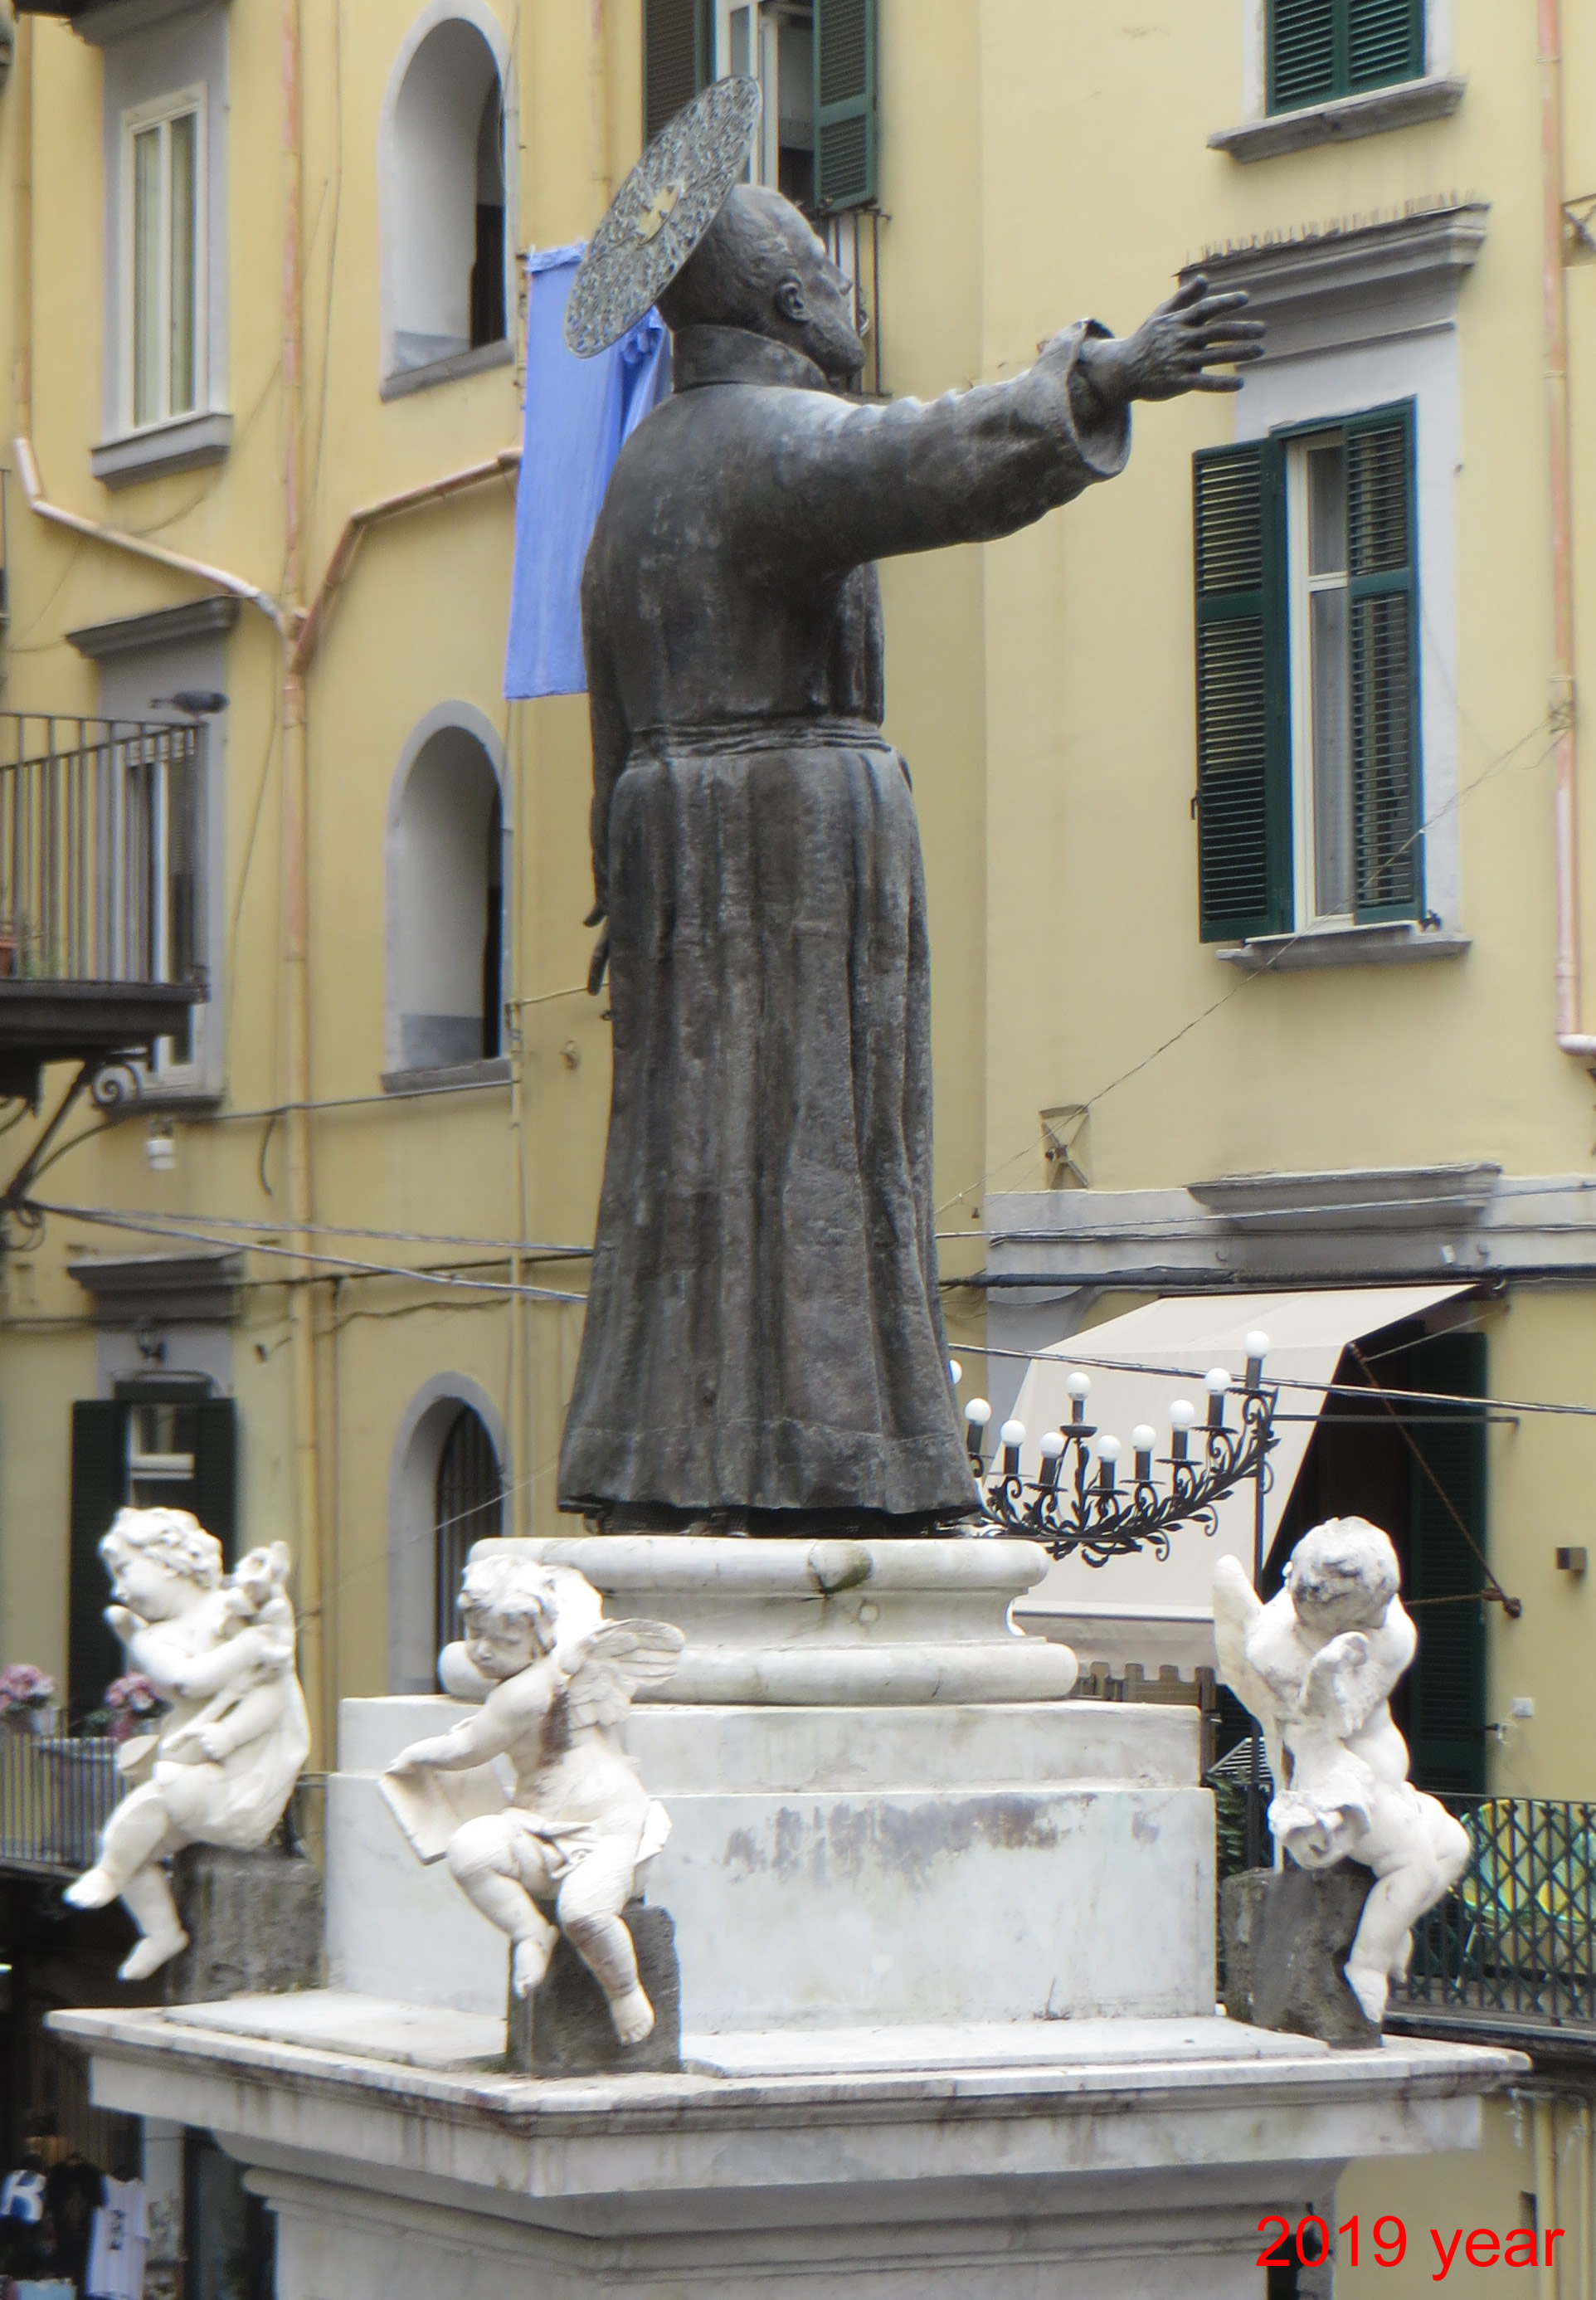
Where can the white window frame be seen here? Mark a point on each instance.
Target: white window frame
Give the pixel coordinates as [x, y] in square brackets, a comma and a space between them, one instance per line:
[1300, 586]
[764, 65]
[161, 111]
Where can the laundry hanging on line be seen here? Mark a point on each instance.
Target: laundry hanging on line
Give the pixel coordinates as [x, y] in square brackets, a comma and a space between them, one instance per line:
[579, 414]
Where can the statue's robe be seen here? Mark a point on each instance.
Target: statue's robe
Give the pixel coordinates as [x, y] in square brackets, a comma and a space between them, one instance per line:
[763, 1330]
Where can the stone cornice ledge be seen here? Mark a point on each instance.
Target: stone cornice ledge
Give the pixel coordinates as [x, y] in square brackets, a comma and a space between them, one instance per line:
[1374, 114]
[1400, 944]
[1436, 245]
[581, 2132]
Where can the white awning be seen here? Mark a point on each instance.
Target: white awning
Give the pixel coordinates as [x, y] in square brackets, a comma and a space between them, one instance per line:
[1137, 1610]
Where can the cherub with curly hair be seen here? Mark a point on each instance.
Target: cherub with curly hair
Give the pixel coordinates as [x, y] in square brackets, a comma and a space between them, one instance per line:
[563, 1857]
[231, 1745]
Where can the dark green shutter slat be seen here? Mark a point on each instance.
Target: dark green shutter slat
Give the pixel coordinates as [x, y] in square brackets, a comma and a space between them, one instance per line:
[677, 36]
[1385, 42]
[1302, 53]
[1383, 638]
[1318, 49]
[1446, 1689]
[216, 1473]
[99, 1488]
[846, 160]
[1242, 734]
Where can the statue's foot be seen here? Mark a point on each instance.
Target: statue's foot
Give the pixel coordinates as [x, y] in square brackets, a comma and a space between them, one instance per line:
[529, 1961]
[93, 1890]
[1370, 1989]
[633, 2015]
[154, 1951]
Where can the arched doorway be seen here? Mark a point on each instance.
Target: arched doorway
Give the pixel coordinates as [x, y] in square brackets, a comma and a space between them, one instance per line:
[468, 1507]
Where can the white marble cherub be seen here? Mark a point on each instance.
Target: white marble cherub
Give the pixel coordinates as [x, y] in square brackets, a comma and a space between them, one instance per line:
[231, 1745]
[1316, 1666]
[579, 1822]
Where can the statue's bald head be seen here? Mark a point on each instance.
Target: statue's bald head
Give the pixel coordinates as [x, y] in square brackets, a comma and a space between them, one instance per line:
[761, 267]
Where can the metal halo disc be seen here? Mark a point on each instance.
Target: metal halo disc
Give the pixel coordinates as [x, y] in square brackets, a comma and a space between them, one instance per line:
[660, 213]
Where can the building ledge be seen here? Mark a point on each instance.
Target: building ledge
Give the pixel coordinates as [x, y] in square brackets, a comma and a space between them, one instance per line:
[448, 1078]
[1373, 114]
[163, 448]
[404, 381]
[1398, 944]
[198, 619]
[191, 1288]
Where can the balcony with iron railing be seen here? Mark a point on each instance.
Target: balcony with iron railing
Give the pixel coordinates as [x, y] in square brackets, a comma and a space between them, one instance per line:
[56, 1794]
[1509, 1955]
[102, 852]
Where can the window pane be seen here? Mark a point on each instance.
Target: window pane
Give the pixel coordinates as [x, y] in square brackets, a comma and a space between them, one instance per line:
[185, 243]
[147, 277]
[1327, 509]
[1332, 756]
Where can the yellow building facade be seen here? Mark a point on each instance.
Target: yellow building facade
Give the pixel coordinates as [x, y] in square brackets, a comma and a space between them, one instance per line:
[268, 399]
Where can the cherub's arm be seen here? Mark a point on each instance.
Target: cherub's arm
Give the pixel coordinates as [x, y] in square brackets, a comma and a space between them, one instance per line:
[201, 1675]
[257, 1712]
[503, 1719]
[1349, 1679]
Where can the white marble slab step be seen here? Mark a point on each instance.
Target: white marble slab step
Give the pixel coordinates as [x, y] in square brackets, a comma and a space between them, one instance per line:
[1020, 2043]
[429, 2036]
[367, 2028]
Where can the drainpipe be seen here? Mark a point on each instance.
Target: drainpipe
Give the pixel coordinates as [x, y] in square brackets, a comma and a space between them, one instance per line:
[116, 537]
[1554, 291]
[1543, 2110]
[296, 987]
[21, 327]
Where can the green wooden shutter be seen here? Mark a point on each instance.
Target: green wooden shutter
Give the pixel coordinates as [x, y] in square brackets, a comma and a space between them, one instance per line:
[1243, 724]
[215, 1472]
[1318, 49]
[677, 58]
[1446, 1689]
[1385, 42]
[846, 136]
[1383, 628]
[1303, 52]
[99, 1488]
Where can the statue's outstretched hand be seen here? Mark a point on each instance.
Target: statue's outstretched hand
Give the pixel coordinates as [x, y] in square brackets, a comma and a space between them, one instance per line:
[1176, 349]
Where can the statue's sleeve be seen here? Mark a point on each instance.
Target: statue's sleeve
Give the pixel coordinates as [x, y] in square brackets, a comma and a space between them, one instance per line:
[875, 481]
[607, 722]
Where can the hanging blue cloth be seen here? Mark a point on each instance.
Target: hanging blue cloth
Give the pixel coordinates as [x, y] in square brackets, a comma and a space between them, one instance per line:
[579, 414]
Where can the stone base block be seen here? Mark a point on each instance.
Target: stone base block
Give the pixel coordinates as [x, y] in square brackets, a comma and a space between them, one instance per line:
[254, 1921]
[1287, 1934]
[564, 2028]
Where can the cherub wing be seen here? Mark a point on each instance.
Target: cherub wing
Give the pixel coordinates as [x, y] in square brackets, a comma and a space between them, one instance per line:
[617, 1660]
[1236, 1606]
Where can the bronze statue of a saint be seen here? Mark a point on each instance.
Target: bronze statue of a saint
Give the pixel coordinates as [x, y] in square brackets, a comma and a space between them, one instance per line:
[764, 1344]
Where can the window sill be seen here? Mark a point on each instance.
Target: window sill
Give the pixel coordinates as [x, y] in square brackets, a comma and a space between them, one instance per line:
[449, 1078]
[1397, 945]
[1374, 113]
[181, 446]
[399, 385]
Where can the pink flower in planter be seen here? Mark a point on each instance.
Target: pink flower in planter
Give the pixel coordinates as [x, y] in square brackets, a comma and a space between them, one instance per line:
[23, 1687]
[132, 1701]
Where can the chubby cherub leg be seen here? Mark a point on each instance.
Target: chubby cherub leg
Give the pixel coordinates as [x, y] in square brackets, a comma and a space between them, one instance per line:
[493, 1863]
[1430, 1853]
[137, 1833]
[589, 1908]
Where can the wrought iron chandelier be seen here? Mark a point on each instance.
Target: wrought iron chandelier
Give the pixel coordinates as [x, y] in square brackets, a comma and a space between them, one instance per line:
[1077, 1503]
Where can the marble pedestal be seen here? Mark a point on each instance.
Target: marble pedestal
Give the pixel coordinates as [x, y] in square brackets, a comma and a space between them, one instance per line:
[946, 1941]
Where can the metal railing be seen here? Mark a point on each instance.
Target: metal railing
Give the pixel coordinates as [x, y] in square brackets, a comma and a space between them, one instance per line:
[1515, 1941]
[852, 238]
[101, 848]
[56, 1794]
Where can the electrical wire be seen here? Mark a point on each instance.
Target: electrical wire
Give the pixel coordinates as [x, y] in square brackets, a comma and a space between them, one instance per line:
[1270, 964]
[109, 1218]
[534, 1249]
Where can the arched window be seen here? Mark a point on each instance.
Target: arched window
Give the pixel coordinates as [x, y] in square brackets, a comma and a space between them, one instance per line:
[469, 1506]
[443, 221]
[446, 906]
